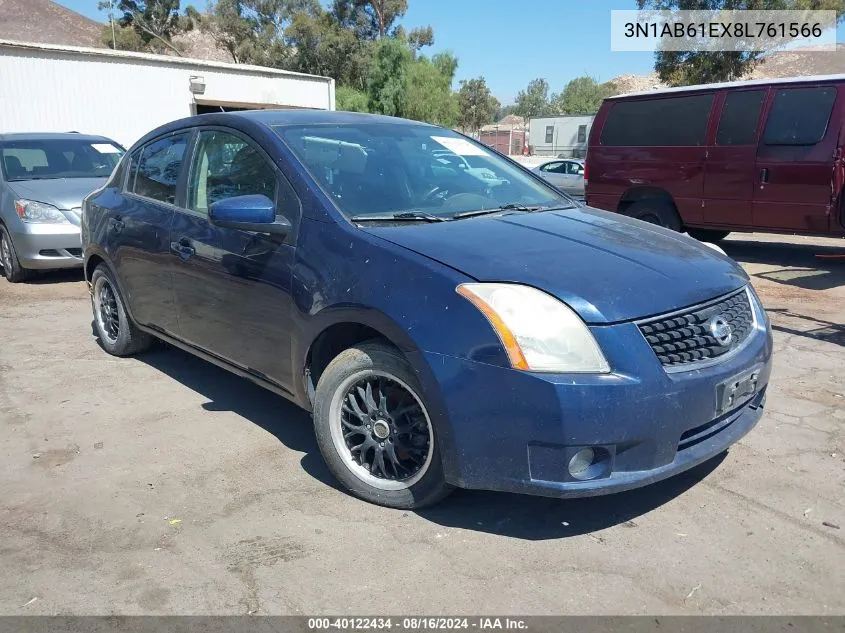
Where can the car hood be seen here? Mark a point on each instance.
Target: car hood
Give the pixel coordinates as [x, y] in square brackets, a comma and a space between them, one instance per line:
[607, 267]
[64, 193]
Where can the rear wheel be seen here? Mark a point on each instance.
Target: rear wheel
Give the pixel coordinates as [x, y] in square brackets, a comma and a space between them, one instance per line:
[12, 269]
[655, 212]
[118, 335]
[374, 430]
[708, 235]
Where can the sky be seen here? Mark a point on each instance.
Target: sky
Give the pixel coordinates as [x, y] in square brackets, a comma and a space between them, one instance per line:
[510, 42]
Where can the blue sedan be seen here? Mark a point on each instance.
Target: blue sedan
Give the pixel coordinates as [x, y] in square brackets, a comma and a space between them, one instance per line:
[444, 330]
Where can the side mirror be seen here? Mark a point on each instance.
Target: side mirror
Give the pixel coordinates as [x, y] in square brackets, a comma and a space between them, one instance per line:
[248, 213]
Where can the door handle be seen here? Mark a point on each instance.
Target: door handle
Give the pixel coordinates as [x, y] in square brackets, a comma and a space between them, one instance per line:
[764, 175]
[183, 249]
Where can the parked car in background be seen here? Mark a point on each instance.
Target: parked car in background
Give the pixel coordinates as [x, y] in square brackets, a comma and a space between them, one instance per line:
[564, 174]
[710, 159]
[43, 178]
[443, 332]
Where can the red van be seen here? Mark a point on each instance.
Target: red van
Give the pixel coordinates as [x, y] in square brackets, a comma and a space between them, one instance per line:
[711, 159]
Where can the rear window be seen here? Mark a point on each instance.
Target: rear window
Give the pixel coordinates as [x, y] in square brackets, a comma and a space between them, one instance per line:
[739, 118]
[799, 116]
[156, 168]
[658, 122]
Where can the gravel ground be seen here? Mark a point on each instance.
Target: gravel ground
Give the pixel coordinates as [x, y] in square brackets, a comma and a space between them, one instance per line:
[163, 485]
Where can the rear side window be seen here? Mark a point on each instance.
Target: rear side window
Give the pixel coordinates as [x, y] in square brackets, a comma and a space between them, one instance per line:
[740, 115]
[658, 122]
[799, 116]
[156, 169]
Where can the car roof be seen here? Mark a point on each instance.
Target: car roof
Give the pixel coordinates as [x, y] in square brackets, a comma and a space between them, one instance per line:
[52, 136]
[275, 118]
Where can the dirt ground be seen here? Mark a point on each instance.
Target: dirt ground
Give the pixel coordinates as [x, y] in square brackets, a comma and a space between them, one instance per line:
[163, 485]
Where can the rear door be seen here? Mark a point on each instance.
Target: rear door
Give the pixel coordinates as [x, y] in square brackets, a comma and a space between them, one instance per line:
[555, 173]
[795, 159]
[138, 230]
[730, 168]
[233, 287]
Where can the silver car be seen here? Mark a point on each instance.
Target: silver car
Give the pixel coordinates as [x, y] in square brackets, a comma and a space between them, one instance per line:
[43, 178]
[566, 174]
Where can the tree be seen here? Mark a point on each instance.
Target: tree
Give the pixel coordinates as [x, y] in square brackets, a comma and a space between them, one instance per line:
[430, 97]
[534, 100]
[351, 100]
[371, 19]
[155, 21]
[476, 104]
[582, 95]
[122, 38]
[681, 68]
[387, 85]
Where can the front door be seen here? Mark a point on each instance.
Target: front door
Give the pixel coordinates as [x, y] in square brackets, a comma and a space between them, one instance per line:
[232, 287]
[795, 159]
[730, 169]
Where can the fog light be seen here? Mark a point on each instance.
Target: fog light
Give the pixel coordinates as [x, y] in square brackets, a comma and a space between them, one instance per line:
[580, 462]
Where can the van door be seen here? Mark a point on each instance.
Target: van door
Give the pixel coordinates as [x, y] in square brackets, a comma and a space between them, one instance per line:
[730, 169]
[795, 159]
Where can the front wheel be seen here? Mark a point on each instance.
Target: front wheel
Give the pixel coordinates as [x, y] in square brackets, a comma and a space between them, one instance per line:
[12, 269]
[374, 429]
[118, 335]
[656, 212]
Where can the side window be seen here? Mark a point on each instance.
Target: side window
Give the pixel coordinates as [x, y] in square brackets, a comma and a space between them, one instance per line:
[550, 134]
[157, 170]
[666, 121]
[225, 166]
[739, 118]
[551, 167]
[799, 116]
[572, 168]
[582, 134]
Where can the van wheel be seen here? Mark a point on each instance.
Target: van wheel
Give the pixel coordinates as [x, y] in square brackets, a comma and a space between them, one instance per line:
[374, 430]
[708, 235]
[12, 269]
[655, 212]
[118, 335]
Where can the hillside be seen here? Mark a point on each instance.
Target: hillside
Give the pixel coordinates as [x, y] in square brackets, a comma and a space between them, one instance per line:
[777, 65]
[47, 22]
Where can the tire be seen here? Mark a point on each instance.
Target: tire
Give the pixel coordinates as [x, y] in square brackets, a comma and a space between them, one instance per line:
[708, 235]
[116, 332]
[12, 269]
[655, 212]
[409, 473]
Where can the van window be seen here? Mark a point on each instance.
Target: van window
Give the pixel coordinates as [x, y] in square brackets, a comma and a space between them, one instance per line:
[739, 117]
[656, 122]
[799, 116]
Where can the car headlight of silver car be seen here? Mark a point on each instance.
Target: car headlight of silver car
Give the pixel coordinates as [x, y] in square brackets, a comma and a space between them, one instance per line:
[39, 213]
[539, 332]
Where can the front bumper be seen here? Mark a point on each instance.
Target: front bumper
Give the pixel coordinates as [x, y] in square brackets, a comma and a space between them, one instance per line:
[48, 246]
[516, 431]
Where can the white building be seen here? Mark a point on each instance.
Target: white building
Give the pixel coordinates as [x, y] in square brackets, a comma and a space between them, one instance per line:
[564, 136]
[123, 95]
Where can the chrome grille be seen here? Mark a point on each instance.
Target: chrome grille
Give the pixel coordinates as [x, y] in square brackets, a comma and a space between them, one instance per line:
[687, 336]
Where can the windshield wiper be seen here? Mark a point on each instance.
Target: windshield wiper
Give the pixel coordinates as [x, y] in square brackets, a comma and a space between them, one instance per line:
[509, 207]
[404, 216]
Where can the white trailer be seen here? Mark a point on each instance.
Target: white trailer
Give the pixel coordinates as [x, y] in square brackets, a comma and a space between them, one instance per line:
[564, 136]
[123, 95]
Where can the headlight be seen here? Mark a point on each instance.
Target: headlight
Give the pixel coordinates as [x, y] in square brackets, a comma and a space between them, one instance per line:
[538, 332]
[757, 306]
[39, 213]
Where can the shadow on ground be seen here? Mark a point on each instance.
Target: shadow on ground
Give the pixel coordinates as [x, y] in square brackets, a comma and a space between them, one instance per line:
[519, 516]
[64, 275]
[808, 266]
[808, 327]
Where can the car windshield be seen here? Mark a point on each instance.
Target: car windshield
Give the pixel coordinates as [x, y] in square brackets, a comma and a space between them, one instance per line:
[384, 169]
[58, 158]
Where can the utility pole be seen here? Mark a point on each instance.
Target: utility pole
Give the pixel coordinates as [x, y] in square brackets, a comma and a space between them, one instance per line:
[111, 19]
